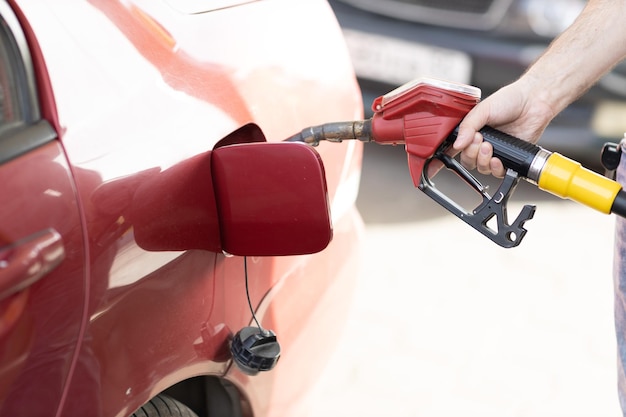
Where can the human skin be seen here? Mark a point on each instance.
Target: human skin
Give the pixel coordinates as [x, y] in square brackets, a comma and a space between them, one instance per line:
[573, 62]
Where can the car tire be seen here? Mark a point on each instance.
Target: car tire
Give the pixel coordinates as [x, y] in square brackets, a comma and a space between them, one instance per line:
[164, 406]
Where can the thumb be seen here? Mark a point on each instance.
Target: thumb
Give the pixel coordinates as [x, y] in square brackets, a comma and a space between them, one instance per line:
[475, 120]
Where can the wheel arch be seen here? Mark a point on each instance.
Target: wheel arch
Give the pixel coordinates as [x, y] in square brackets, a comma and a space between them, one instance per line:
[210, 396]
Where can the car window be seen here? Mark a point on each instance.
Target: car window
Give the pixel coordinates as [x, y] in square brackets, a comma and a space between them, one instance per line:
[21, 128]
[9, 107]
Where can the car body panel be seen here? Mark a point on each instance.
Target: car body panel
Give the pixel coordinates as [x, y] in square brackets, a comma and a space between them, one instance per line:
[49, 326]
[136, 90]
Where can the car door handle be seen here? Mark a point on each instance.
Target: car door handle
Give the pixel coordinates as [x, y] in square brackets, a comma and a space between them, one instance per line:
[25, 261]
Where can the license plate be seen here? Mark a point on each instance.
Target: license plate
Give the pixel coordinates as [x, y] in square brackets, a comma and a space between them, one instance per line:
[395, 61]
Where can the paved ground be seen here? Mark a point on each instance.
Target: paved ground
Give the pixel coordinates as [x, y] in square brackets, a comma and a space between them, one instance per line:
[446, 323]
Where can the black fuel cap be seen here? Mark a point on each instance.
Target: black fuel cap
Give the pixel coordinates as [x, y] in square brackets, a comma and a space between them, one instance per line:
[255, 350]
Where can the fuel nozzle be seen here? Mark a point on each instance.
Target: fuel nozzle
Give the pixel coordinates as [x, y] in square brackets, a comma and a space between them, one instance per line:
[424, 116]
[420, 114]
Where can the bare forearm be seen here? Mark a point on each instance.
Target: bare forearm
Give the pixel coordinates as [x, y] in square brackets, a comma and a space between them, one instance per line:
[575, 60]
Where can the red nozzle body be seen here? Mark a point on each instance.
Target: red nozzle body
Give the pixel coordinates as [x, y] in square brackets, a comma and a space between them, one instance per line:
[421, 114]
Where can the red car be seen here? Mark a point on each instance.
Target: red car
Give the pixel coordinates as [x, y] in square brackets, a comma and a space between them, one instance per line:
[149, 204]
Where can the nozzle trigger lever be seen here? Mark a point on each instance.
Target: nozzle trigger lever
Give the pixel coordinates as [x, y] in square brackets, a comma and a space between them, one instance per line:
[491, 210]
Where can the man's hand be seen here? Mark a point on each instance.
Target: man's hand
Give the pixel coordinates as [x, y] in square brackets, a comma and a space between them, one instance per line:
[515, 110]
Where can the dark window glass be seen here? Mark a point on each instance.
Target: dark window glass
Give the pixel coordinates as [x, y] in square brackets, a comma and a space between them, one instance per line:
[10, 114]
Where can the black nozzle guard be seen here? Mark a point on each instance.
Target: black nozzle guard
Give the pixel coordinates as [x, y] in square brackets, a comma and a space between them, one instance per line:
[506, 234]
[255, 350]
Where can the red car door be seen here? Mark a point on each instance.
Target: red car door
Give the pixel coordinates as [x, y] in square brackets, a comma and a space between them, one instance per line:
[42, 267]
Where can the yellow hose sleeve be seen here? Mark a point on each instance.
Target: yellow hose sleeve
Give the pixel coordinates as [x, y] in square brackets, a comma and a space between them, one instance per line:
[568, 179]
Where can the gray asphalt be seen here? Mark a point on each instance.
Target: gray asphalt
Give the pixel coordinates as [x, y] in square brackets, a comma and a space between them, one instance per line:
[446, 323]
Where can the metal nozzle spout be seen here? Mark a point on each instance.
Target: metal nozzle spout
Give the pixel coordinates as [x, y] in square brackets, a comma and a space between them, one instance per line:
[335, 132]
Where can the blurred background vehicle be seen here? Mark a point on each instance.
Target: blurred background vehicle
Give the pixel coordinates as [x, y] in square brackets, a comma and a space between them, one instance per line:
[486, 43]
